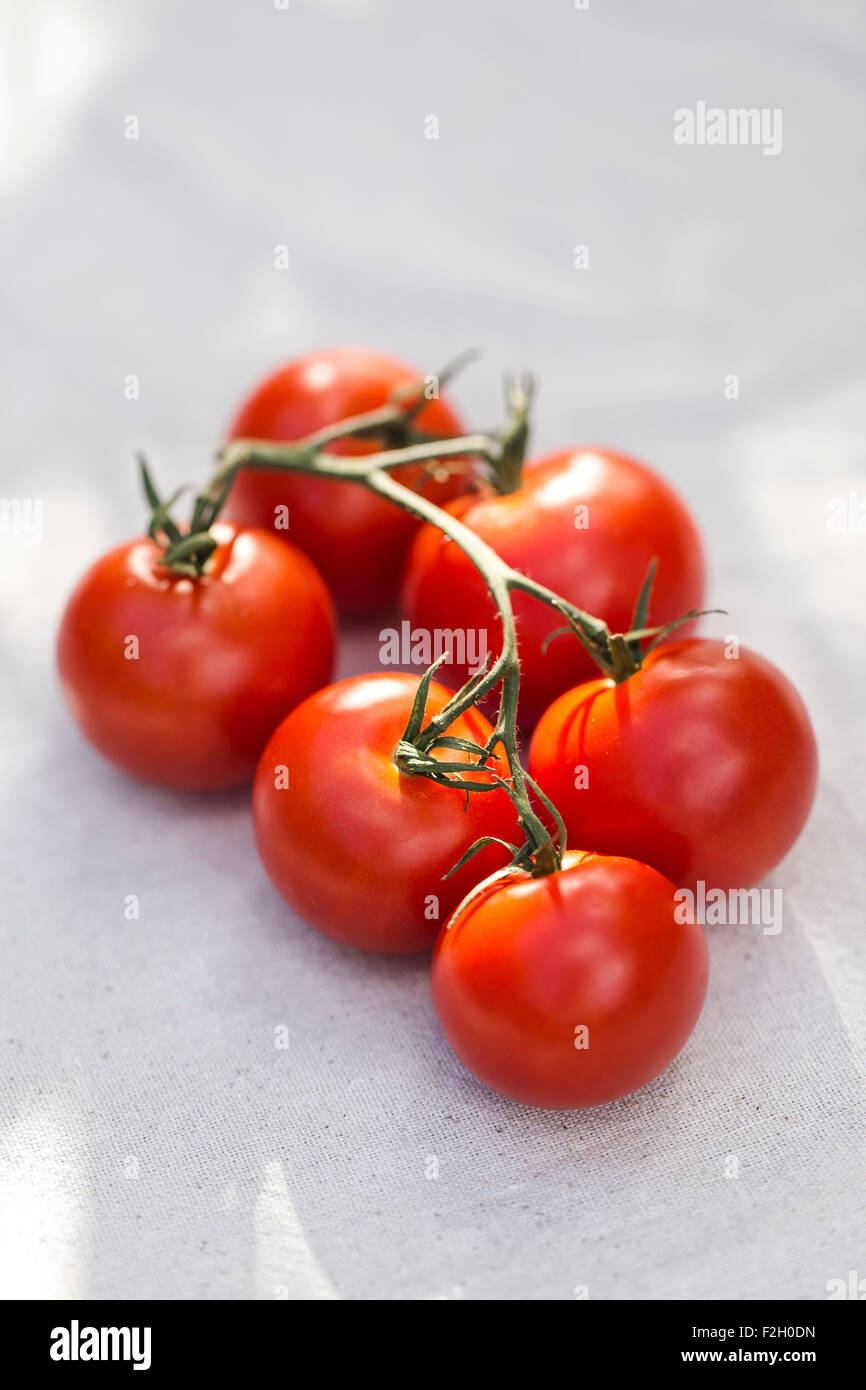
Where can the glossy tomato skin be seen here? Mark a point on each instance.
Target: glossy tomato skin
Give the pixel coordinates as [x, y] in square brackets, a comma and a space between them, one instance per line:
[219, 660]
[702, 765]
[357, 541]
[525, 963]
[356, 847]
[631, 516]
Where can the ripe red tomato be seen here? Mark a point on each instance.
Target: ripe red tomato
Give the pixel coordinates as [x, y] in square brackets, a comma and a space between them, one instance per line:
[181, 681]
[358, 541]
[572, 989]
[596, 558]
[702, 765]
[355, 846]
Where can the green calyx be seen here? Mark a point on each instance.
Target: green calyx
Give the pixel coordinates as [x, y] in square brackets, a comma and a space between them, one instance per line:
[619, 655]
[183, 552]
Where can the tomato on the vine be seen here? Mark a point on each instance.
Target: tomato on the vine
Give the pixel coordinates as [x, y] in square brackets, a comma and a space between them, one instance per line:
[702, 763]
[181, 680]
[357, 847]
[358, 541]
[585, 523]
[571, 989]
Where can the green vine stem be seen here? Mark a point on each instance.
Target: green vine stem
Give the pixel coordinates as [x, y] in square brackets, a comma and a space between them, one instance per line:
[501, 455]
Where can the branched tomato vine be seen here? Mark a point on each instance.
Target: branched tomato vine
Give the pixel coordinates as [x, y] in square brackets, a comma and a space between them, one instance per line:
[501, 456]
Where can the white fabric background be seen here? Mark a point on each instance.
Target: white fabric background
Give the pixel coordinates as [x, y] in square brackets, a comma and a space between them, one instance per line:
[148, 1047]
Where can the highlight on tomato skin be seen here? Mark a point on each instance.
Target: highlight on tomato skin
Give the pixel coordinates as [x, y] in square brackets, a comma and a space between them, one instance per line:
[703, 763]
[180, 681]
[357, 541]
[586, 522]
[572, 989]
[355, 846]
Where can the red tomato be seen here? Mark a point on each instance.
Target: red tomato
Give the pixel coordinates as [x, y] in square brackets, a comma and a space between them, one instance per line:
[596, 558]
[357, 540]
[182, 681]
[572, 989]
[700, 765]
[355, 846]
